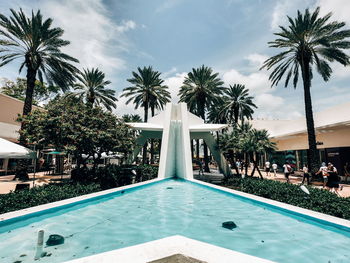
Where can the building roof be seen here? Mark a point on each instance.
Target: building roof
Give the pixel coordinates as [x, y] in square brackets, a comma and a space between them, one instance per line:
[337, 116]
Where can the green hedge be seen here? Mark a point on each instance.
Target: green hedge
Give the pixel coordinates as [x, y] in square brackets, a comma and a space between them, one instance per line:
[42, 195]
[319, 200]
[85, 182]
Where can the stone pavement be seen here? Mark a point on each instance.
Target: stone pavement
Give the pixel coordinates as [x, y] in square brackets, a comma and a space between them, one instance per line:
[7, 184]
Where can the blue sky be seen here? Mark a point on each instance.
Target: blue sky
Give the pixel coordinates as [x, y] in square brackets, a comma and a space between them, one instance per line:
[175, 35]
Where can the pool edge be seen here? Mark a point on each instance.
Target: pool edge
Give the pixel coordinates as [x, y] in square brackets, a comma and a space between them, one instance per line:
[15, 216]
[318, 217]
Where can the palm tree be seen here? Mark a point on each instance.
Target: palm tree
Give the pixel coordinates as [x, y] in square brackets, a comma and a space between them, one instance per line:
[91, 88]
[216, 114]
[149, 92]
[238, 104]
[39, 45]
[255, 143]
[309, 41]
[131, 118]
[201, 88]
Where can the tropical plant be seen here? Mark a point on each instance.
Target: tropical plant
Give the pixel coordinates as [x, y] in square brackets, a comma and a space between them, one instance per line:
[71, 126]
[147, 91]
[39, 44]
[17, 89]
[201, 89]
[238, 105]
[320, 201]
[91, 89]
[131, 118]
[257, 142]
[309, 41]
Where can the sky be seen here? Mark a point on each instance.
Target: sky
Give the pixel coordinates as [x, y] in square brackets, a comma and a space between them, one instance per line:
[174, 36]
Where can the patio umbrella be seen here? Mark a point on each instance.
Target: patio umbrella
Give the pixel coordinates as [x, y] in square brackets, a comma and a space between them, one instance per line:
[10, 150]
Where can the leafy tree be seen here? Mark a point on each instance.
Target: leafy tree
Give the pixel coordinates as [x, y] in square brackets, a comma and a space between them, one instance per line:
[131, 118]
[201, 89]
[149, 92]
[257, 142]
[309, 41]
[238, 105]
[246, 141]
[39, 45]
[17, 89]
[91, 88]
[73, 127]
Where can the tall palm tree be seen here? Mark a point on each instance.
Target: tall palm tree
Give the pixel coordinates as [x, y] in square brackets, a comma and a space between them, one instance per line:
[309, 41]
[91, 88]
[149, 92]
[201, 88]
[238, 104]
[39, 45]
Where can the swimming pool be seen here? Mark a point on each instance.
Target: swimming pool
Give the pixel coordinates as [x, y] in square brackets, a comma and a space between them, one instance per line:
[175, 207]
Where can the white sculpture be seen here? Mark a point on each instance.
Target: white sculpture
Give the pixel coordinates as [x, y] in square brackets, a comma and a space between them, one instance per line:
[176, 127]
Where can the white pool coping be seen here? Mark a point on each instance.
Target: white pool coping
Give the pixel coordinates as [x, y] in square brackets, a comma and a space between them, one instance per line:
[296, 209]
[169, 246]
[198, 248]
[39, 208]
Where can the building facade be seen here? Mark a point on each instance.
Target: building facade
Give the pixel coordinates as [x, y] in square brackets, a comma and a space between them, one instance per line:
[332, 135]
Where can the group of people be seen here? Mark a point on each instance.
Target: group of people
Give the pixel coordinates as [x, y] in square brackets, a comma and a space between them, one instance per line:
[268, 167]
[331, 178]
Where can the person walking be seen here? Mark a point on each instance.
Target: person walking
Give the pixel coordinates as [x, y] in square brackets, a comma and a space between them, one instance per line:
[323, 172]
[287, 169]
[333, 179]
[306, 175]
[274, 168]
[267, 168]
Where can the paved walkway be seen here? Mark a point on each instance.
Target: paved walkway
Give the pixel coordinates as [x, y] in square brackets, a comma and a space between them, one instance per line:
[297, 179]
[7, 184]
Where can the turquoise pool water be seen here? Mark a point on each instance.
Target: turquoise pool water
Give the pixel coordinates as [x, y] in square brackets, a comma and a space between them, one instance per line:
[175, 207]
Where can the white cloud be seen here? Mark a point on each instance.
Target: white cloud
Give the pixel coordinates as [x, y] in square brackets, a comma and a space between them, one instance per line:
[257, 82]
[92, 33]
[284, 8]
[256, 60]
[275, 107]
[167, 4]
[339, 8]
[123, 108]
[126, 26]
[174, 83]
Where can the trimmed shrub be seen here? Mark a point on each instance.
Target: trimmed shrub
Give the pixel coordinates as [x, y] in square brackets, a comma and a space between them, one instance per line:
[84, 181]
[319, 200]
[42, 195]
[111, 176]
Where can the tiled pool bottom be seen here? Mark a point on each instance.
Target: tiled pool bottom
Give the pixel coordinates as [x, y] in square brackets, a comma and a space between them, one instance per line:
[175, 208]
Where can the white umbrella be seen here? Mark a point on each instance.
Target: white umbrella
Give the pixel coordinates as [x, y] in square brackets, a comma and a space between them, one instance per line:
[10, 150]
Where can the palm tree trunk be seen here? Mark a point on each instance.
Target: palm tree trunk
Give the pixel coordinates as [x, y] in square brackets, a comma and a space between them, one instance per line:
[236, 113]
[192, 150]
[256, 167]
[145, 119]
[152, 140]
[312, 152]
[28, 102]
[201, 110]
[197, 149]
[21, 170]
